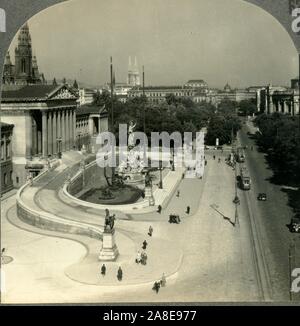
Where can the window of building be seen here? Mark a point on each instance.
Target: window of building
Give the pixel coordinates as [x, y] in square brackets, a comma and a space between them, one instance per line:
[2, 150]
[8, 149]
[23, 65]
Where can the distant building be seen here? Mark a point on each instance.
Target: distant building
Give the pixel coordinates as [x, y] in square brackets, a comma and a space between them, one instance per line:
[90, 121]
[271, 99]
[120, 90]
[198, 84]
[6, 165]
[25, 71]
[86, 96]
[157, 94]
[215, 96]
[133, 78]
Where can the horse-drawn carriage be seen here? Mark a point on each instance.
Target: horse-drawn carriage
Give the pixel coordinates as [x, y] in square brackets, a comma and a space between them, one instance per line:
[174, 219]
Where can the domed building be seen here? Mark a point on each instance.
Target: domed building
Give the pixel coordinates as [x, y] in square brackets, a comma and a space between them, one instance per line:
[227, 88]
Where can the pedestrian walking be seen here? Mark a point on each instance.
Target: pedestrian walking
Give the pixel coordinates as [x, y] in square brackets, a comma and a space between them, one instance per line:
[138, 257]
[103, 270]
[145, 243]
[156, 286]
[205, 162]
[219, 160]
[150, 231]
[163, 281]
[188, 209]
[120, 274]
[144, 258]
[178, 193]
[159, 208]
[214, 157]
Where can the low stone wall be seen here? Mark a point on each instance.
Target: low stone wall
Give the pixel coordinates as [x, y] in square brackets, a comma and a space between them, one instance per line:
[91, 177]
[51, 222]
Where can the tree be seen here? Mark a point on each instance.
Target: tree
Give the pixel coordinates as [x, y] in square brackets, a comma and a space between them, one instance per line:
[247, 107]
[101, 99]
[171, 99]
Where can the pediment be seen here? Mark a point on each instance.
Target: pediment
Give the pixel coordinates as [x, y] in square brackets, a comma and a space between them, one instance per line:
[62, 92]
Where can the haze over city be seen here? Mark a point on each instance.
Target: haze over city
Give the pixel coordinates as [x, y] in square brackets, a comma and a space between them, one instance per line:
[218, 41]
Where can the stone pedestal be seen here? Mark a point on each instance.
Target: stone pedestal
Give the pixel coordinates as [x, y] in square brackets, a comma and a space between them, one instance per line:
[148, 192]
[109, 251]
[149, 195]
[151, 201]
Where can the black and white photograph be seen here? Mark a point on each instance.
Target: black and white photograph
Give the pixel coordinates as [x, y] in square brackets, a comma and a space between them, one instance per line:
[150, 151]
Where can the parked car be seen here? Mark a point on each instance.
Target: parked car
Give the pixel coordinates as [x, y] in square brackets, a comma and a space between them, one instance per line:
[262, 197]
[295, 225]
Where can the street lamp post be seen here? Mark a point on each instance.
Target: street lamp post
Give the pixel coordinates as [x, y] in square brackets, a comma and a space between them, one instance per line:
[160, 175]
[58, 141]
[236, 199]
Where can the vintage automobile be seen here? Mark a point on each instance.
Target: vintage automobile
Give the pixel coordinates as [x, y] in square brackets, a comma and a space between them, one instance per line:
[174, 219]
[262, 197]
[295, 225]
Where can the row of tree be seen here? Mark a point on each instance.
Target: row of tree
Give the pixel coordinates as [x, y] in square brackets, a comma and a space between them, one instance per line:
[175, 114]
[223, 124]
[279, 136]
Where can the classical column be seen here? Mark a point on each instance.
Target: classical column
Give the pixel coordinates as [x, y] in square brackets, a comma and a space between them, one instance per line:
[58, 124]
[271, 104]
[44, 134]
[63, 128]
[50, 132]
[34, 138]
[28, 135]
[54, 133]
[67, 134]
[40, 142]
[71, 129]
[285, 107]
[74, 126]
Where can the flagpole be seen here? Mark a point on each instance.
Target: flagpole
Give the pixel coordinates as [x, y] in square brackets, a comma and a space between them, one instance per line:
[111, 95]
[112, 114]
[144, 113]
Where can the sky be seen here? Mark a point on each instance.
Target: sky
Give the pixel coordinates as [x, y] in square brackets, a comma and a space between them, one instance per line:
[219, 41]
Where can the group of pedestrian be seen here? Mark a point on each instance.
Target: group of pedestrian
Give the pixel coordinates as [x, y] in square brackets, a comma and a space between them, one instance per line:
[119, 272]
[141, 258]
[158, 284]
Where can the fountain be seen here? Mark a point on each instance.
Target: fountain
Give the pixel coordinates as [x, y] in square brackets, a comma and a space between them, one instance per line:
[131, 169]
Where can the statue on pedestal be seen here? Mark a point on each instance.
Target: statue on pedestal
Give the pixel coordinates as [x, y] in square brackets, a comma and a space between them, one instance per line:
[131, 127]
[109, 221]
[109, 251]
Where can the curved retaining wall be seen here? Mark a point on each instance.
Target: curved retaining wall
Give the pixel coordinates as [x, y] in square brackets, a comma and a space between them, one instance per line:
[44, 220]
[76, 184]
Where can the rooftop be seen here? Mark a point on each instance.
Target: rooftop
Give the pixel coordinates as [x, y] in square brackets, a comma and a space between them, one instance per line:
[5, 126]
[29, 92]
[90, 109]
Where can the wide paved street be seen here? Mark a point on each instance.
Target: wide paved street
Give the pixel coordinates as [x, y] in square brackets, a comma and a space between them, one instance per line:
[218, 262]
[272, 216]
